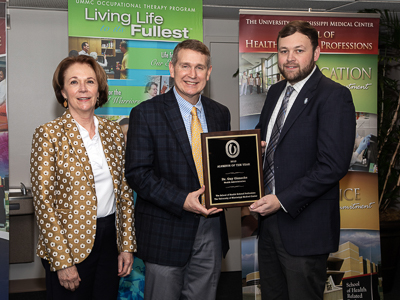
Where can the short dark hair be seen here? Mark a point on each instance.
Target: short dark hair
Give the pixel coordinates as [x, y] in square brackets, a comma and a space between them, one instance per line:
[124, 121]
[299, 26]
[124, 44]
[101, 77]
[194, 45]
[148, 86]
[84, 44]
[73, 53]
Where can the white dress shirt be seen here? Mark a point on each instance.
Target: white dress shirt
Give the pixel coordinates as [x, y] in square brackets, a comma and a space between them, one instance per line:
[102, 176]
[297, 88]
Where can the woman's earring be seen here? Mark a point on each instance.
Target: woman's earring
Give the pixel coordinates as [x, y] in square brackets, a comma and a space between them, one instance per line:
[65, 103]
[97, 101]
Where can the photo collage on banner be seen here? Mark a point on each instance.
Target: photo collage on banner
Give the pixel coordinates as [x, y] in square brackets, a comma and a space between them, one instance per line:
[4, 170]
[349, 56]
[133, 42]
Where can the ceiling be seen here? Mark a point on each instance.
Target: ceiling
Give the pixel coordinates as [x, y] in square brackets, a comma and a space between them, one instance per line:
[229, 9]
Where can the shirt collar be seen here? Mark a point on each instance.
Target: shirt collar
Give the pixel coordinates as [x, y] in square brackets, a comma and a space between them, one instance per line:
[84, 133]
[186, 107]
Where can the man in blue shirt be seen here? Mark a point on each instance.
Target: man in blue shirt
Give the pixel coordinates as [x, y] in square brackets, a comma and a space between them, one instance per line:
[181, 248]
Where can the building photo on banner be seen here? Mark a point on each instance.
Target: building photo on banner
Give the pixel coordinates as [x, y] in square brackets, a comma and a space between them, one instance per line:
[133, 42]
[349, 56]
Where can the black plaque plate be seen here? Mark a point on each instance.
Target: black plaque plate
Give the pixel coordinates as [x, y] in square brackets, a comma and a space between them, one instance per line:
[232, 168]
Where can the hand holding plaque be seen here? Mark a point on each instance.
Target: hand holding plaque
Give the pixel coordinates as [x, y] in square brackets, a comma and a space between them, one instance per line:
[232, 168]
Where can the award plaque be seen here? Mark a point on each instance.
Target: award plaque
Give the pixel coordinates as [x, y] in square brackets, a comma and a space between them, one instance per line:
[232, 168]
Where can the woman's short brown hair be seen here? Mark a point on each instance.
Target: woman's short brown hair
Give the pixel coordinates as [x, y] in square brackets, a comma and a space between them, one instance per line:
[101, 77]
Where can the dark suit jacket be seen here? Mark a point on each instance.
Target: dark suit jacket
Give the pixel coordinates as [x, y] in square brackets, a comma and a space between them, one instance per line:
[160, 168]
[312, 155]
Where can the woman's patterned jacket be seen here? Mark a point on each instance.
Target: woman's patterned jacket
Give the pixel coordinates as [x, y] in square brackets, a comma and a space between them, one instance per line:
[64, 194]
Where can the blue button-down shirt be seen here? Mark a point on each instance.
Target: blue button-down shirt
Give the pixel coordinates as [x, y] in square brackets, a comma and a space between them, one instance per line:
[185, 107]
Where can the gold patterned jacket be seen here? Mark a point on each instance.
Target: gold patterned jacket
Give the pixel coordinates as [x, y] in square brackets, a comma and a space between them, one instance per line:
[64, 194]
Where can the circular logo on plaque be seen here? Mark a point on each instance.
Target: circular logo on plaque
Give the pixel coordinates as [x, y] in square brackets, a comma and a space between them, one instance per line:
[232, 149]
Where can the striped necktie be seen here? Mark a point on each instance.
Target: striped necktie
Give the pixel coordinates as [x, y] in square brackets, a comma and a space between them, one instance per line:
[269, 178]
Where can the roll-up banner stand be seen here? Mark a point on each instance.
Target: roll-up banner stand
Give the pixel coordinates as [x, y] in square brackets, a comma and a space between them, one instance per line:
[4, 170]
[349, 56]
[138, 70]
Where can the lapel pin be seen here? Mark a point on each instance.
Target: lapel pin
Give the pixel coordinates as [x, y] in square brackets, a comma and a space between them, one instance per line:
[306, 101]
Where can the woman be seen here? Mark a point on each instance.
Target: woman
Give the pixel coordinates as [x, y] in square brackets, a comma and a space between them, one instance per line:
[151, 90]
[258, 83]
[251, 83]
[243, 90]
[102, 64]
[83, 204]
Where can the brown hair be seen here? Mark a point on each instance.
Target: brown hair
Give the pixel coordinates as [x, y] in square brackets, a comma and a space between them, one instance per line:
[101, 77]
[124, 44]
[194, 45]
[149, 85]
[302, 27]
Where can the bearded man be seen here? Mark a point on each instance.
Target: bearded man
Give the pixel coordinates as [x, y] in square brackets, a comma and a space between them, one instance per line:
[308, 123]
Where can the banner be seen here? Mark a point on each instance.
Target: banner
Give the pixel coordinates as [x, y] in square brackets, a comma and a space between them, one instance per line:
[133, 42]
[4, 169]
[349, 56]
[139, 69]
